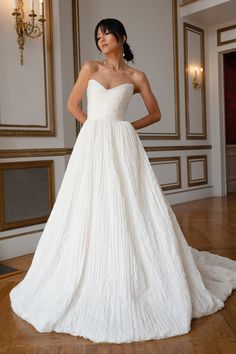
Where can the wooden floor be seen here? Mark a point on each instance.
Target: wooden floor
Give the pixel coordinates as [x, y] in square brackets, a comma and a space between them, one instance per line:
[208, 224]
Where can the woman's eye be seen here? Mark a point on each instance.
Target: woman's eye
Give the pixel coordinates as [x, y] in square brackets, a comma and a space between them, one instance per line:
[104, 33]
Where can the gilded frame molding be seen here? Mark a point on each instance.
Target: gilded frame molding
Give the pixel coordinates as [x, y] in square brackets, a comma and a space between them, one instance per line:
[76, 48]
[199, 31]
[42, 152]
[187, 2]
[77, 65]
[169, 160]
[200, 181]
[225, 29]
[49, 165]
[49, 128]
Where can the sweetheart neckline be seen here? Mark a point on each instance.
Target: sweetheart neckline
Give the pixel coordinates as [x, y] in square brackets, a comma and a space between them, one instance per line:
[112, 88]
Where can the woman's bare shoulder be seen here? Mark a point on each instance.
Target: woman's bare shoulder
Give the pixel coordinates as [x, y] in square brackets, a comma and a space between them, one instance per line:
[89, 67]
[138, 77]
[91, 64]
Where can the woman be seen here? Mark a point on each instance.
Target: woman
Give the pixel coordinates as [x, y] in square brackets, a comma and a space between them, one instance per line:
[113, 71]
[112, 264]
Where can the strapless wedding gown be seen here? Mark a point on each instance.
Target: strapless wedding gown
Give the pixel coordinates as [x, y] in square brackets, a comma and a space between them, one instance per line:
[112, 264]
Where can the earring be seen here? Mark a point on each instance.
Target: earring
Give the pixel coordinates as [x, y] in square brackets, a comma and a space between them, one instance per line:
[123, 54]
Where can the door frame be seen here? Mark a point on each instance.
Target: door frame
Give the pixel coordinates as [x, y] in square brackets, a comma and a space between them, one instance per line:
[222, 120]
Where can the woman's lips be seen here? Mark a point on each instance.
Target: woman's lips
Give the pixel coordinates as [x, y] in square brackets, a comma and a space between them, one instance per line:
[104, 45]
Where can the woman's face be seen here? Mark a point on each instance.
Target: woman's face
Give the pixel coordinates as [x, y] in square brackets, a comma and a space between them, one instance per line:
[107, 41]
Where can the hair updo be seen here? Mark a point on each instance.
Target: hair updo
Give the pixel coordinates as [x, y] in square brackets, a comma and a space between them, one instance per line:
[115, 27]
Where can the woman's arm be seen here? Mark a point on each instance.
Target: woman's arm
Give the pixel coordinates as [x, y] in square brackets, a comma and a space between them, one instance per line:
[73, 103]
[150, 101]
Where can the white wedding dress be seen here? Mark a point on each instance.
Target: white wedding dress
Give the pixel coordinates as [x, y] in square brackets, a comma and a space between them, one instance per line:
[112, 264]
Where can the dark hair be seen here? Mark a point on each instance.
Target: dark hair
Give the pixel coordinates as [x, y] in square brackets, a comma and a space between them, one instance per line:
[117, 29]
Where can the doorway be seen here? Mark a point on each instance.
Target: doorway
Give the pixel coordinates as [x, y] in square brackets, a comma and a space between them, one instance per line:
[229, 114]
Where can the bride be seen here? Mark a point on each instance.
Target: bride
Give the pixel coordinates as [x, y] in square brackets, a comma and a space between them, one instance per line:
[112, 263]
[113, 71]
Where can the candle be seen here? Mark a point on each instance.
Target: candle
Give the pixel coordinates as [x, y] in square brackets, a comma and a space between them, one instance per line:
[15, 4]
[32, 5]
[41, 7]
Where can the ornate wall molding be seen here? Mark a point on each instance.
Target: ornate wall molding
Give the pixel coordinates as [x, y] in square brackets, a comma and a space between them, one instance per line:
[195, 100]
[172, 161]
[196, 164]
[226, 35]
[48, 127]
[77, 63]
[21, 185]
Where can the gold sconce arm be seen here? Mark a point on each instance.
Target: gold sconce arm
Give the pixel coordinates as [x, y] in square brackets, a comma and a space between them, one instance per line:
[27, 28]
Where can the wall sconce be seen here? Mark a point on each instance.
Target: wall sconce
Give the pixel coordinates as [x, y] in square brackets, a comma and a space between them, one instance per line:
[197, 84]
[28, 29]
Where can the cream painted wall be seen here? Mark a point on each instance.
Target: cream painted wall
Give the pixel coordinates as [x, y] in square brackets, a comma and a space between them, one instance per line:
[24, 240]
[215, 16]
[63, 78]
[150, 43]
[153, 55]
[215, 95]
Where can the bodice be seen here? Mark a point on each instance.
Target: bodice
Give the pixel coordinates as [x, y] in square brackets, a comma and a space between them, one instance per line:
[108, 104]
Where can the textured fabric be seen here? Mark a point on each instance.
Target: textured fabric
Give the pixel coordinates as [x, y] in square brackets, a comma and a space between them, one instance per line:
[112, 264]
